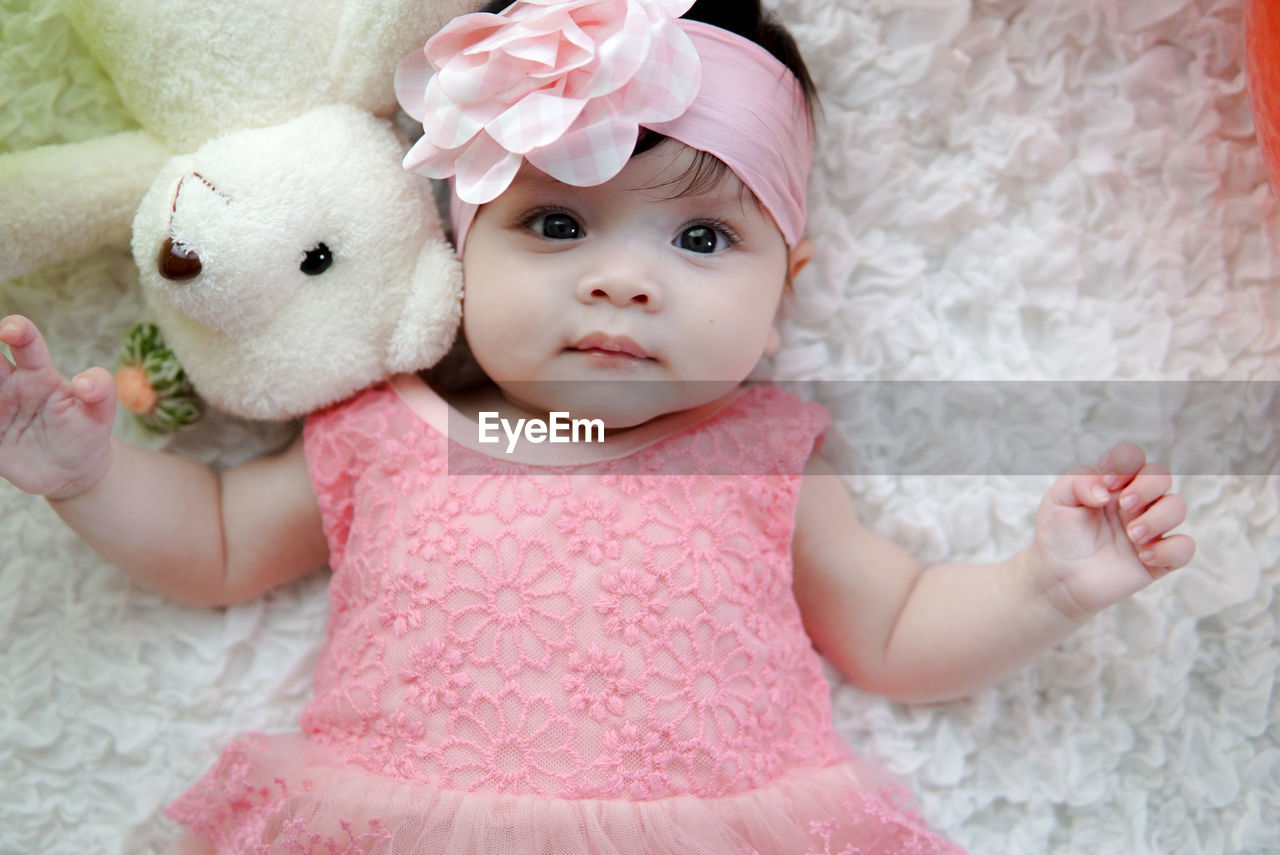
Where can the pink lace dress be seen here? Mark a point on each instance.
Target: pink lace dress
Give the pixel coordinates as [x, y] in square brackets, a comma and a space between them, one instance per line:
[599, 657]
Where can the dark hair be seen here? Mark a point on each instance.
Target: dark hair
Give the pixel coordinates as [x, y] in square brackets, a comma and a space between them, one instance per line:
[745, 18]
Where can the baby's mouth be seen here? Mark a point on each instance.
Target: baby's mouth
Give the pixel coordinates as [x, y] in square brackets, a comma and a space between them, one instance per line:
[610, 347]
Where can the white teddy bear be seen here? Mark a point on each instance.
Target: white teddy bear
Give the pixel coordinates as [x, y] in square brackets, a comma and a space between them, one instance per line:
[290, 266]
[322, 266]
[188, 72]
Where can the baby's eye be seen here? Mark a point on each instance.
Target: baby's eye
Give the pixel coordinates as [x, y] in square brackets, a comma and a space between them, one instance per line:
[705, 238]
[555, 225]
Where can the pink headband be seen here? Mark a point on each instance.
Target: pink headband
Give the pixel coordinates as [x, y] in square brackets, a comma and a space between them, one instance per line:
[567, 84]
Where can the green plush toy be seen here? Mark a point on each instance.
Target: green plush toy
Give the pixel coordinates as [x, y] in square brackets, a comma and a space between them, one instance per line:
[152, 384]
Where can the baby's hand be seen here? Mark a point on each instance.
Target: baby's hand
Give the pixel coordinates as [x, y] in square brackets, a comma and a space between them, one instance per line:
[55, 434]
[1102, 533]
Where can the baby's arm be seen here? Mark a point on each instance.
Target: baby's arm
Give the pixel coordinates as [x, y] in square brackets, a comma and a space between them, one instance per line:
[895, 627]
[171, 523]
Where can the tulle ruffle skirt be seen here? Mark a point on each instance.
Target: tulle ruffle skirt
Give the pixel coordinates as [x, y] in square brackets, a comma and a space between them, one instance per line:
[282, 794]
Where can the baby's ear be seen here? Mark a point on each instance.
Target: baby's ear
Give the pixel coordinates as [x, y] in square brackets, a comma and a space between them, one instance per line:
[430, 316]
[798, 257]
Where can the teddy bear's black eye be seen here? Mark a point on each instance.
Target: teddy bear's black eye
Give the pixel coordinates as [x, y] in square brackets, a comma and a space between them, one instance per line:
[317, 260]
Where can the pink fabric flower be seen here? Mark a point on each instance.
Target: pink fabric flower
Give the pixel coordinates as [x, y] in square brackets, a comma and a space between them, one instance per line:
[590, 525]
[596, 682]
[565, 84]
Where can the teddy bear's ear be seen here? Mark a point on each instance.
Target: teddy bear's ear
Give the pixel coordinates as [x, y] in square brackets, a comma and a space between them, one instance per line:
[431, 313]
[374, 35]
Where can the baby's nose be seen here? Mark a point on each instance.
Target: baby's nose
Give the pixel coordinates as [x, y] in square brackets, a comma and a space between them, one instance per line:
[623, 286]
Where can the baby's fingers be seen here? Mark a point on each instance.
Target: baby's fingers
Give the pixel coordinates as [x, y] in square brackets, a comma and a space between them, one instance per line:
[1094, 486]
[1120, 463]
[28, 347]
[1165, 514]
[1169, 553]
[1081, 486]
[1151, 482]
[95, 389]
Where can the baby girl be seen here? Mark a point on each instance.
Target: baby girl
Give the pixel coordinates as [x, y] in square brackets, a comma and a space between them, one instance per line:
[602, 647]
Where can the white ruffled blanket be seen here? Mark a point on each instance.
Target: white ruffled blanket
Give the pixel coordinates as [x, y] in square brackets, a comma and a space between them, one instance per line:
[1047, 190]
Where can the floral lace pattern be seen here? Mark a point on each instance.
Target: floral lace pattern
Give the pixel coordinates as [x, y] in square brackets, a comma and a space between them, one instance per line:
[545, 629]
[622, 631]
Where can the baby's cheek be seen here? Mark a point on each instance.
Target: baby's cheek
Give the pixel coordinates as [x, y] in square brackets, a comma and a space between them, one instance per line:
[745, 337]
[486, 347]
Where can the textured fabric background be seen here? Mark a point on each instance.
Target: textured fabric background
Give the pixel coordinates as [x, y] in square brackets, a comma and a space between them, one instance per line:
[1005, 189]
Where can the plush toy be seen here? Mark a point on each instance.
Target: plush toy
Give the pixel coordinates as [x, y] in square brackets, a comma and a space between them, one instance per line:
[290, 266]
[287, 258]
[189, 72]
[152, 384]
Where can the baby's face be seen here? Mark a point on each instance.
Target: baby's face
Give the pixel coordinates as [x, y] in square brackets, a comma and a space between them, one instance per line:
[569, 290]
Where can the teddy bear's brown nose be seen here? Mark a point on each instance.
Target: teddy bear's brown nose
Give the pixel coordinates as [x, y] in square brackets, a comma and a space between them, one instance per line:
[177, 263]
